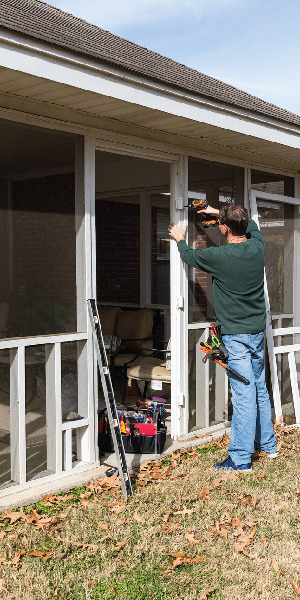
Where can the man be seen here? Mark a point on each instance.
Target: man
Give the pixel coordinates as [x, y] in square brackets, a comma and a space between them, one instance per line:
[238, 287]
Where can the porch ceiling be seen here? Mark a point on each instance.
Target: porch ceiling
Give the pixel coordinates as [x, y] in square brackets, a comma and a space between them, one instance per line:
[138, 120]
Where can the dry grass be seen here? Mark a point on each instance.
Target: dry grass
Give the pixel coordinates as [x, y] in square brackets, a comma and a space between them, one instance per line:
[188, 533]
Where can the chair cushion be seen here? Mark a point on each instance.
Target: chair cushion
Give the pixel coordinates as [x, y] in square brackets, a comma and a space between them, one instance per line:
[135, 326]
[108, 318]
[150, 369]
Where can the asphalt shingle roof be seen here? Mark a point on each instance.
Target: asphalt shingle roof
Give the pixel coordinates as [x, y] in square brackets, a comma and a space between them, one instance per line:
[38, 20]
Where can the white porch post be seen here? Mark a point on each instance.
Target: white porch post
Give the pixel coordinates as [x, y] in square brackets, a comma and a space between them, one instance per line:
[86, 288]
[179, 305]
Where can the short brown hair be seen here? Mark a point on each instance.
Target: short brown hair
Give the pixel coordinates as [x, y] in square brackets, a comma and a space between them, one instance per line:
[235, 217]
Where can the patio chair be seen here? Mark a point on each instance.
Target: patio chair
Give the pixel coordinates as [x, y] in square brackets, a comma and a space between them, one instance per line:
[154, 371]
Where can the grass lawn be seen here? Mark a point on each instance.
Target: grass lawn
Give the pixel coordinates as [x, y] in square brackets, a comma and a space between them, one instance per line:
[189, 532]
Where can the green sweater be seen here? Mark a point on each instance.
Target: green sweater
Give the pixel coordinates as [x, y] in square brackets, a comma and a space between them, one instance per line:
[238, 280]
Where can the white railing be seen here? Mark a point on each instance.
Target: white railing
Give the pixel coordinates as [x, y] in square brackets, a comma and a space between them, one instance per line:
[290, 350]
[58, 434]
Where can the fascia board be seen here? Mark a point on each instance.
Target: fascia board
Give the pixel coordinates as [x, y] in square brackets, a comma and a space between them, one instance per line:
[41, 60]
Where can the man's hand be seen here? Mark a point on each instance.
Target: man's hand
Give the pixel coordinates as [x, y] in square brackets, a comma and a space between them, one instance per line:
[177, 233]
[209, 210]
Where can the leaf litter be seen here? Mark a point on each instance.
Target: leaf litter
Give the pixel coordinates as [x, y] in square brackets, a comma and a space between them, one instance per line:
[241, 533]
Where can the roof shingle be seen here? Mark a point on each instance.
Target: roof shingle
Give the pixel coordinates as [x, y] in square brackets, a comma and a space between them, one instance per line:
[41, 21]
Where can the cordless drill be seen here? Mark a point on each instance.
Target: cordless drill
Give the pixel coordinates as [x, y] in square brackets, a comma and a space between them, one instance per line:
[202, 203]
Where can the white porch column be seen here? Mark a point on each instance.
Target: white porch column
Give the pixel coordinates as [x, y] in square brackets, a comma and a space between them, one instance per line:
[86, 288]
[179, 305]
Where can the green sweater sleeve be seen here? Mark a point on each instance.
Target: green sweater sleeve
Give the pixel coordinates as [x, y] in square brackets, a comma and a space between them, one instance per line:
[253, 232]
[208, 259]
[200, 259]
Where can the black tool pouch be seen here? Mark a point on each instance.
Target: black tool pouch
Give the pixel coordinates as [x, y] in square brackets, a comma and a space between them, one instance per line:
[222, 350]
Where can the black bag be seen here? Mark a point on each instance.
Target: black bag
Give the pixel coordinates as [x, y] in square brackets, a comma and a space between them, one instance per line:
[135, 444]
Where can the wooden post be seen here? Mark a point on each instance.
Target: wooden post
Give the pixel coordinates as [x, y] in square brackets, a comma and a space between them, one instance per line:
[86, 288]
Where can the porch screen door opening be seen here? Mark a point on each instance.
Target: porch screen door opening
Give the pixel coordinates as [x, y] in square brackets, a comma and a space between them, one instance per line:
[278, 218]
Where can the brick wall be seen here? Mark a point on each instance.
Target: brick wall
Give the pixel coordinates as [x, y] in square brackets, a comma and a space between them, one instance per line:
[154, 255]
[44, 253]
[118, 251]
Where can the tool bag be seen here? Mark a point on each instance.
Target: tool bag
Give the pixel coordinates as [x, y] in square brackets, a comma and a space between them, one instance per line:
[142, 438]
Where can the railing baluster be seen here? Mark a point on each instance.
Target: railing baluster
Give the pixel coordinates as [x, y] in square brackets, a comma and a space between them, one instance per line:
[202, 385]
[17, 415]
[53, 407]
[294, 385]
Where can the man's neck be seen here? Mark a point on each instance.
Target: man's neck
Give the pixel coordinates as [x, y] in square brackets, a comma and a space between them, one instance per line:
[235, 239]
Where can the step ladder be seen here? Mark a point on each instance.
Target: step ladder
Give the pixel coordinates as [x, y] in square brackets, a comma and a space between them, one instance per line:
[108, 391]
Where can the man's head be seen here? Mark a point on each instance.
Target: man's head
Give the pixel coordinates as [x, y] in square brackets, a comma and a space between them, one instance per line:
[235, 217]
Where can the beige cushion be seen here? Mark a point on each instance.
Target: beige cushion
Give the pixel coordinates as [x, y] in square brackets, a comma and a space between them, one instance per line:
[150, 369]
[108, 319]
[135, 325]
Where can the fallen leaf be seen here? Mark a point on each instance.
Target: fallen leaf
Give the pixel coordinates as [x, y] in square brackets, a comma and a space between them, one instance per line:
[206, 593]
[138, 518]
[204, 494]
[265, 543]
[168, 527]
[92, 582]
[166, 517]
[118, 509]
[295, 586]
[36, 553]
[274, 564]
[2, 535]
[118, 547]
[2, 588]
[184, 511]
[13, 536]
[15, 516]
[252, 556]
[103, 526]
[236, 522]
[3, 557]
[261, 475]
[198, 559]
[47, 555]
[123, 563]
[190, 538]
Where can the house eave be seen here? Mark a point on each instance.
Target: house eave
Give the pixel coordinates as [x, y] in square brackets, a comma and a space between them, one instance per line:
[100, 78]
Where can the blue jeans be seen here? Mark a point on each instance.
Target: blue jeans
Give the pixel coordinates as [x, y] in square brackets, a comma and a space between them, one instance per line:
[251, 403]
